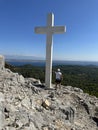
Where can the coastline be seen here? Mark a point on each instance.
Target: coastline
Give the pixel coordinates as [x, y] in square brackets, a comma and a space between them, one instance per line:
[17, 62]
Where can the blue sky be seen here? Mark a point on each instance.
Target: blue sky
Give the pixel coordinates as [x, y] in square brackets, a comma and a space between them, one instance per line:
[18, 18]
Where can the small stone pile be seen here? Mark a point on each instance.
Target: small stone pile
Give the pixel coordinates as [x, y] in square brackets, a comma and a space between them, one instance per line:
[25, 104]
[2, 62]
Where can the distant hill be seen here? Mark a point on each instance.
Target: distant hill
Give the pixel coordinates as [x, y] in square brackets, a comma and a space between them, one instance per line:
[20, 57]
[28, 59]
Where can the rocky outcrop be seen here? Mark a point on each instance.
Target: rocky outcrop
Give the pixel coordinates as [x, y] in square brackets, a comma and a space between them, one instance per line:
[28, 105]
[2, 116]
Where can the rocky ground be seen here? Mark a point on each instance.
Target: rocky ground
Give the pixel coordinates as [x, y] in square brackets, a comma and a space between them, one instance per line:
[28, 105]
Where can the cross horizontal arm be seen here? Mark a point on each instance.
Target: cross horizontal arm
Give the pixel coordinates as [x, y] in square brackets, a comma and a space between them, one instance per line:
[41, 30]
[52, 29]
[58, 29]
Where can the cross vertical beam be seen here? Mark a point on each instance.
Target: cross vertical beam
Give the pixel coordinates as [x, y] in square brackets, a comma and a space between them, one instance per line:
[49, 48]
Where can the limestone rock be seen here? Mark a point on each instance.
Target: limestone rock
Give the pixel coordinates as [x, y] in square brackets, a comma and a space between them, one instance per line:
[46, 104]
[2, 120]
[26, 102]
[26, 105]
[21, 79]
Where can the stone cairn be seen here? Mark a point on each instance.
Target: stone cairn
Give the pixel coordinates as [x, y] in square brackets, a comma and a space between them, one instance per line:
[2, 62]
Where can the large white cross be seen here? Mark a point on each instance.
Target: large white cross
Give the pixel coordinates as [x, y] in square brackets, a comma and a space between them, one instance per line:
[49, 30]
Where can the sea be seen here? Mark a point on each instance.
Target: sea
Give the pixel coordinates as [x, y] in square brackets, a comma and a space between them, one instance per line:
[55, 63]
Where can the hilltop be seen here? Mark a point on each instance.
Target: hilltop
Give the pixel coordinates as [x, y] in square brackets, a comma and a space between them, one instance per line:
[84, 77]
[28, 105]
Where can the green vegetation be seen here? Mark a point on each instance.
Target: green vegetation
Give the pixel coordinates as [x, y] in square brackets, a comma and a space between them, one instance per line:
[84, 77]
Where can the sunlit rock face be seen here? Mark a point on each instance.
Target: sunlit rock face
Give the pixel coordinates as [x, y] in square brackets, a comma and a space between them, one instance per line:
[26, 104]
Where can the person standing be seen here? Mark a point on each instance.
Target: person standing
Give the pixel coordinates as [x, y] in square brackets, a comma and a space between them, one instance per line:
[58, 78]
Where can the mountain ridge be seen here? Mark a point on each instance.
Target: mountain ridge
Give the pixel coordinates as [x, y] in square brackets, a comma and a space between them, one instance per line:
[22, 57]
